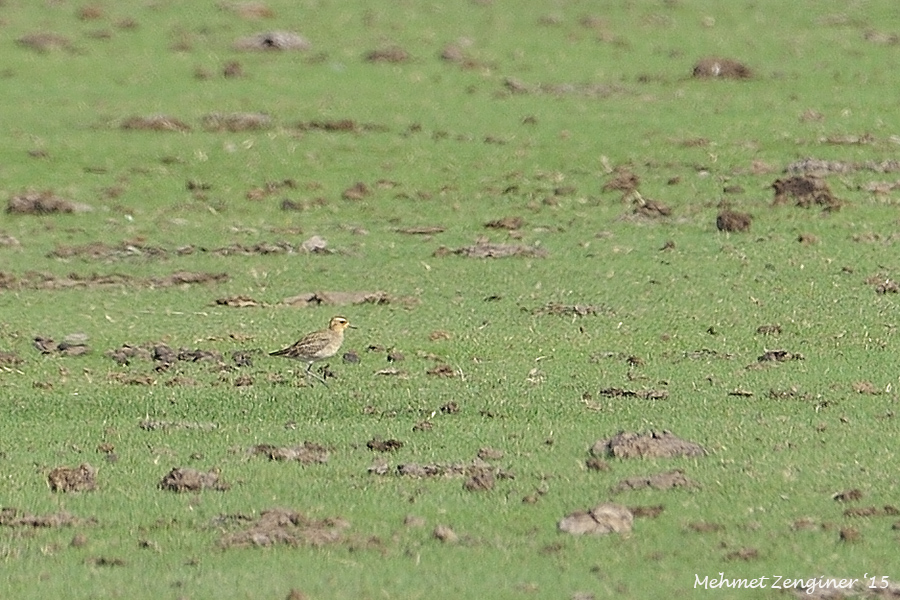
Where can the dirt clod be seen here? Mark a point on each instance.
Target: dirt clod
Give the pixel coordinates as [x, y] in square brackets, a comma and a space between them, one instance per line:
[602, 519]
[661, 481]
[357, 191]
[38, 203]
[445, 534]
[806, 191]
[480, 481]
[306, 453]
[768, 330]
[82, 478]
[192, 480]
[388, 54]
[720, 68]
[743, 554]
[572, 310]
[380, 445]
[848, 495]
[650, 445]
[234, 122]
[273, 40]
[733, 222]
[510, 223]
[779, 356]
[155, 123]
[491, 250]
[283, 526]
[45, 41]
[442, 370]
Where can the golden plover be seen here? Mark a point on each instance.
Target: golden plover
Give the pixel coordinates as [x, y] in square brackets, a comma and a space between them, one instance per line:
[317, 345]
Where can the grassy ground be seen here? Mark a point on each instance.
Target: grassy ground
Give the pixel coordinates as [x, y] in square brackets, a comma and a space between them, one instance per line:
[547, 100]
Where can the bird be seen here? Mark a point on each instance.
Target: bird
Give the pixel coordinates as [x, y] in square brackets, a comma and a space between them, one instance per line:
[317, 345]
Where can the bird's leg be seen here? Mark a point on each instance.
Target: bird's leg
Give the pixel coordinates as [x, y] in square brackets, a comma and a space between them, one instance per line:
[309, 371]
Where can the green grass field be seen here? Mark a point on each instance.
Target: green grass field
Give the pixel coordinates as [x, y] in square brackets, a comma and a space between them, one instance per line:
[607, 320]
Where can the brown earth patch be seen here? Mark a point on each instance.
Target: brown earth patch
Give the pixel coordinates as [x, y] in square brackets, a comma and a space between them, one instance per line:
[872, 511]
[257, 249]
[347, 299]
[270, 188]
[733, 222]
[441, 370]
[357, 191]
[127, 379]
[454, 53]
[586, 90]
[647, 512]
[622, 180]
[388, 54]
[8, 240]
[481, 480]
[38, 203]
[510, 223]
[162, 353]
[570, 310]
[74, 344]
[490, 250]
[236, 121]
[650, 445]
[880, 37]
[242, 358]
[155, 123]
[488, 453]
[851, 495]
[477, 467]
[850, 535]
[306, 453]
[192, 480]
[883, 284]
[45, 281]
[445, 534]
[10, 359]
[720, 68]
[282, 526]
[272, 40]
[238, 302]
[705, 527]
[642, 394]
[45, 41]
[848, 140]
[649, 208]
[341, 126]
[378, 444]
[13, 517]
[82, 478]
[104, 251]
[743, 554]
[779, 356]
[805, 191]
[422, 230]
[866, 387]
[602, 519]
[597, 464]
[768, 330]
[451, 408]
[818, 167]
[661, 481]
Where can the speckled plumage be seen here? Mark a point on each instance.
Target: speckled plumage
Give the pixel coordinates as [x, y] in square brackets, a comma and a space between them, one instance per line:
[317, 345]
